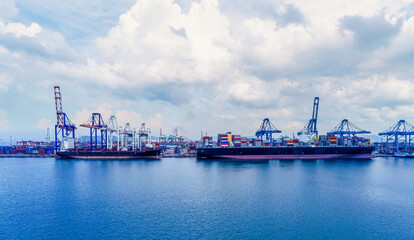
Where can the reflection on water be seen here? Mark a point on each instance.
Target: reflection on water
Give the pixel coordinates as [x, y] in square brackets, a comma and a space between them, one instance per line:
[178, 198]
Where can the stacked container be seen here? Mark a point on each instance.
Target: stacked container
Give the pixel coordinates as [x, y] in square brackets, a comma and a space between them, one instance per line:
[223, 140]
[243, 141]
[277, 142]
[323, 140]
[266, 143]
[207, 141]
[258, 142]
[359, 141]
[296, 142]
[332, 139]
[237, 140]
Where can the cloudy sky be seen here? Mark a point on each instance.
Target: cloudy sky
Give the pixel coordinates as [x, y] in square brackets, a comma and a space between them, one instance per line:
[206, 65]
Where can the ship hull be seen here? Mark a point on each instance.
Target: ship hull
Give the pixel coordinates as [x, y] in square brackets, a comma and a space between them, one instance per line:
[268, 153]
[117, 155]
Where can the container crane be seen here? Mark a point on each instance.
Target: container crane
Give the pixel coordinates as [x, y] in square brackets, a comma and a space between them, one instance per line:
[64, 128]
[162, 137]
[143, 133]
[266, 129]
[402, 130]
[347, 128]
[112, 126]
[96, 123]
[310, 128]
[128, 133]
[176, 137]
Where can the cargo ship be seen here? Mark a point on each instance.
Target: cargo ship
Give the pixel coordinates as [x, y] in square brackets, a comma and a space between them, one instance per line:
[231, 146]
[110, 155]
[342, 142]
[277, 152]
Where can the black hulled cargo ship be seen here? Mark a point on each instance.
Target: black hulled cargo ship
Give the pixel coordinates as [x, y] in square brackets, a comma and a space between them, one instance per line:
[276, 152]
[110, 155]
[341, 142]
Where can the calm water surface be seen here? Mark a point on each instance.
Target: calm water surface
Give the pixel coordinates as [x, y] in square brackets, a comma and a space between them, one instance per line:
[186, 198]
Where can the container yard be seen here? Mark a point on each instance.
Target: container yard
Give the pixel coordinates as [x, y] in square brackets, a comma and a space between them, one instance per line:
[28, 149]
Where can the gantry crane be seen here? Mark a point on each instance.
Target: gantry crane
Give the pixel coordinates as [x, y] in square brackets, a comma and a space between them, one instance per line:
[144, 133]
[402, 130]
[310, 128]
[162, 137]
[64, 127]
[96, 123]
[112, 126]
[346, 128]
[266, 129]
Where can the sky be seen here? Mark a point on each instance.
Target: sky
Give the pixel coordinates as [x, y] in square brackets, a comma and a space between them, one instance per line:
[207, 65]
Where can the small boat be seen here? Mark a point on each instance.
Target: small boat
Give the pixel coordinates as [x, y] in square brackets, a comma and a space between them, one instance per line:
[404, 154]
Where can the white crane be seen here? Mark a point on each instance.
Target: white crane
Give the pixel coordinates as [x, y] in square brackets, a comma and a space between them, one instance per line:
[112, 126]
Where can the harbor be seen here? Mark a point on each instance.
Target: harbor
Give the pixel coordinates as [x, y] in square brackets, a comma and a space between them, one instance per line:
[108, 140]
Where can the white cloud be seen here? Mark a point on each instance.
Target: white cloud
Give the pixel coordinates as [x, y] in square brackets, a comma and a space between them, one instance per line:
[155, 122]
[127, 116]
[44, 123]
[155, 42]
[225, 116]
[19, 30]
[5, 124]
[214, 63]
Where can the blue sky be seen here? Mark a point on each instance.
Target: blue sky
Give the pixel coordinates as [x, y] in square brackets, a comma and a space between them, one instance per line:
[206, 65]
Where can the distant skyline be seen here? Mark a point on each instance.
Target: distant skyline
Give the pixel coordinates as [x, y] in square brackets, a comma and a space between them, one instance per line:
[207, 65]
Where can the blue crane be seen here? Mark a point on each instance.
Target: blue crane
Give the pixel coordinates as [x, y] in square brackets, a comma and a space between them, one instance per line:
[345, 127]
[310, 128]
[266, 129]
[95, 123]
[399, 131]
[64, 128]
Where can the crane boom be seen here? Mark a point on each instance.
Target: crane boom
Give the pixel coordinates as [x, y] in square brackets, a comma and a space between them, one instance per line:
[310, 128]
[58, 104]
[64, 127]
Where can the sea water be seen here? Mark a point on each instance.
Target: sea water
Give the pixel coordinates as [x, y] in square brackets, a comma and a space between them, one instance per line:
[184, 198]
